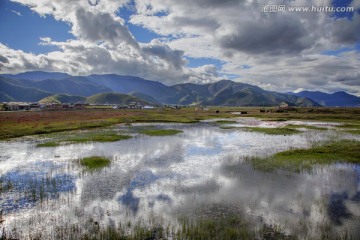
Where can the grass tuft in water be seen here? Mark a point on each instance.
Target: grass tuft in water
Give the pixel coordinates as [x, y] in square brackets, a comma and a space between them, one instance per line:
[276, 119]
[160, 132]
[230, 227]
[227, 127]
[355, 131]
[274, 131]
[274, 233]
[5, 185]
[350, 128]
[104, 136]
[306, 126]
[224, 228]
[225, 122]
[99, 137]
[95, 162]
[48, 144]
[296, 160]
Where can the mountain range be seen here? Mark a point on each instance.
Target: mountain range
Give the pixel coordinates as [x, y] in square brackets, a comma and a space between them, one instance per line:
[35, 86]
[100, 98]
[337, 99]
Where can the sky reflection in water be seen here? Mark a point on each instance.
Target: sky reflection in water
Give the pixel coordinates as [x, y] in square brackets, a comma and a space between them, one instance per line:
[186, 174]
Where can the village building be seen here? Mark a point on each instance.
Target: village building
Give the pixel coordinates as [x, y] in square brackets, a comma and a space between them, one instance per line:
[135, 105]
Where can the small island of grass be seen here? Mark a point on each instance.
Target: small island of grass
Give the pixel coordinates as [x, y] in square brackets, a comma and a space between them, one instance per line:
[160, 132]
[95, 162]
[48, 144]
[306, 126]
[225, 122]
[99, 137]
[274, 131]
[343, 151]
[86, 137]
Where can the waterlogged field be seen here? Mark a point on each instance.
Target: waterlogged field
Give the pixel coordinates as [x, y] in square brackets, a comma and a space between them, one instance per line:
[180, 181]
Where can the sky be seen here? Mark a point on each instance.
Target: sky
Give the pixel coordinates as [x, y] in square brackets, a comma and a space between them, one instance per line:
[198, 41]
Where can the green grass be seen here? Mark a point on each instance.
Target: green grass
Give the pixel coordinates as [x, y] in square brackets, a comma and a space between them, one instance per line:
[276, 119]
[160, 132]
[98, 137]
[48, 144]
[305, 126]
[226, 227]
[225, 122]
[296, 160]
[231, 227]
[84, 137]
[95, 162]
[355, 131]
[349, 125]
[228, 127]
[5, 185]
[274, 131]
[17, 124]
[350, 128]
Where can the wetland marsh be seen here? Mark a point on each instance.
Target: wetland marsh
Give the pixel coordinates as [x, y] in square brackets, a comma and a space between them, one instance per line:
[184, 181]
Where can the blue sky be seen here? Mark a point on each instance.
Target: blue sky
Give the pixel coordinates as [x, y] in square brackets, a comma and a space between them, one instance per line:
[141, 34]
[18, 20]
[24, 31]
[173, 42]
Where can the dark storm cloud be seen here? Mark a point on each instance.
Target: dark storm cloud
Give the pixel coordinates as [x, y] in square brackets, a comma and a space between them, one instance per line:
[174, 57]
[347, 31]
[329, 67]
[282, 35]
[318, 82]
[350, 79]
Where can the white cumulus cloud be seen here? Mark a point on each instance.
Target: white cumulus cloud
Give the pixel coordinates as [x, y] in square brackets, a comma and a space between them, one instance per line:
[286, 51]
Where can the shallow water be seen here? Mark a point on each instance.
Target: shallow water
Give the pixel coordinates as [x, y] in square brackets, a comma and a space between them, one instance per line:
[199, 172]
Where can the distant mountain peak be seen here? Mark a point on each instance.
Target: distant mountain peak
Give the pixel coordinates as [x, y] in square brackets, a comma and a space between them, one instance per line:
[37, 75]
[336, 99]
[222, 93]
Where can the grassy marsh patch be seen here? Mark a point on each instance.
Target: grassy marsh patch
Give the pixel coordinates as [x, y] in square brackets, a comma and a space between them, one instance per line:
[5, 185]
[230, 227]
[343, 151]
[17, 124]
[160, 132]
[48, 144]
[276, 119]
[225, 227]
[225, 122]
[98, 137]
[105, 136]
[274, 131]
[350, 128]
[95, 162]
[228, 127]
[306, 126]
[354, 131]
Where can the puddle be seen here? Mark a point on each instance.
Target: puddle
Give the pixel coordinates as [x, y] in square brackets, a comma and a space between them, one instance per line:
[182, 175]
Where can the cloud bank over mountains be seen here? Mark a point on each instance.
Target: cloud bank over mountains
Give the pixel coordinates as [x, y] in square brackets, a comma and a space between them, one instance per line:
[280, 51]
